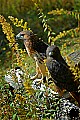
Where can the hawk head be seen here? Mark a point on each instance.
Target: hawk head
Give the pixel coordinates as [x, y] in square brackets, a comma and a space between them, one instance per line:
[54, 52]
[25, 35]
[29, 39]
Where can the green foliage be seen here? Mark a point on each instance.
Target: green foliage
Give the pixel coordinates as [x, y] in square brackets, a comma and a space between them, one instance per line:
[60, 26]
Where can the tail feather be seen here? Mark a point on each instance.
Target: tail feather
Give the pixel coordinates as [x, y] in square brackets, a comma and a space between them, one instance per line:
[76, 96]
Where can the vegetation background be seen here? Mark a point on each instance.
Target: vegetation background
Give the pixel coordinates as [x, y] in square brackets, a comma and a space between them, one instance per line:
[55, 21]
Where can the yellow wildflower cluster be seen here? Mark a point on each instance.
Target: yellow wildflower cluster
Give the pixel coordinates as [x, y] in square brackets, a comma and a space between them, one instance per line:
[76, 72]
[7, 29]
[18, 23]
[20, 98]
[74, 68]
[28, 87]
[58, 12]
[62, 11]
[65, 33]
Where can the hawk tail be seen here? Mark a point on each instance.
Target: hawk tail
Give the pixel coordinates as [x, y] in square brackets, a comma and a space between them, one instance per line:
[76, 96]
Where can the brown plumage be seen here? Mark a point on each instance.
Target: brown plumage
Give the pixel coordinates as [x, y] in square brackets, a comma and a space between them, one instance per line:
[60, 72]
[36, 48]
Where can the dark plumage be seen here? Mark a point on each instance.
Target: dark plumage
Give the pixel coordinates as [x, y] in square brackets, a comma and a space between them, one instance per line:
[53, 51]
[36, 48]
[60, 72]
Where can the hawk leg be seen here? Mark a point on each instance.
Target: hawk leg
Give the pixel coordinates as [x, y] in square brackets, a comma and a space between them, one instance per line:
[40, 71]
[38, 74]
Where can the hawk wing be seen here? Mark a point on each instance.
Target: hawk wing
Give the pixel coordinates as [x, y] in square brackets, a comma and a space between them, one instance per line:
[75, 56]
[61, 75]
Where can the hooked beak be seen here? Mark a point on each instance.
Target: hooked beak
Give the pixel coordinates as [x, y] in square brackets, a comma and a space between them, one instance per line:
[19, 36]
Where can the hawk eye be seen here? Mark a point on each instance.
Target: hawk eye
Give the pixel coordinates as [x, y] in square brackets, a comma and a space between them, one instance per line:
[51, 53]
[22, 35]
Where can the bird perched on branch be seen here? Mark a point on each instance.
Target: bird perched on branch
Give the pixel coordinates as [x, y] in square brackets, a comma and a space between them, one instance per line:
[36, 48]
[60, 72]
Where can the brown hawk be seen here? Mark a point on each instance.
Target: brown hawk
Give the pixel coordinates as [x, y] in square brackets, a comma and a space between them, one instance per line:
[36, 48]
[60, 72]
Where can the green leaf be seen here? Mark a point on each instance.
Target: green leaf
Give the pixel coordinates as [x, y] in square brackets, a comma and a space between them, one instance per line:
[14, 116]
[78, 17]
[45, 29]
[49, 33]
[11, 104]
[18, 117]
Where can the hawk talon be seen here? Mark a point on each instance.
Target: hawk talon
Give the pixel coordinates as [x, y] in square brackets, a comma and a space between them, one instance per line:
[39, 81]
[36, 77]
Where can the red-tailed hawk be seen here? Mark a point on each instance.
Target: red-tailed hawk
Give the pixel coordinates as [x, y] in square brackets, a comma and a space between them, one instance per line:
[36, 48]
[60, 72]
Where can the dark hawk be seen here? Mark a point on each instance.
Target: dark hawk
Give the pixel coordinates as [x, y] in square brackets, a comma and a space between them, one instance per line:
[36, 48]
[60, 72]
